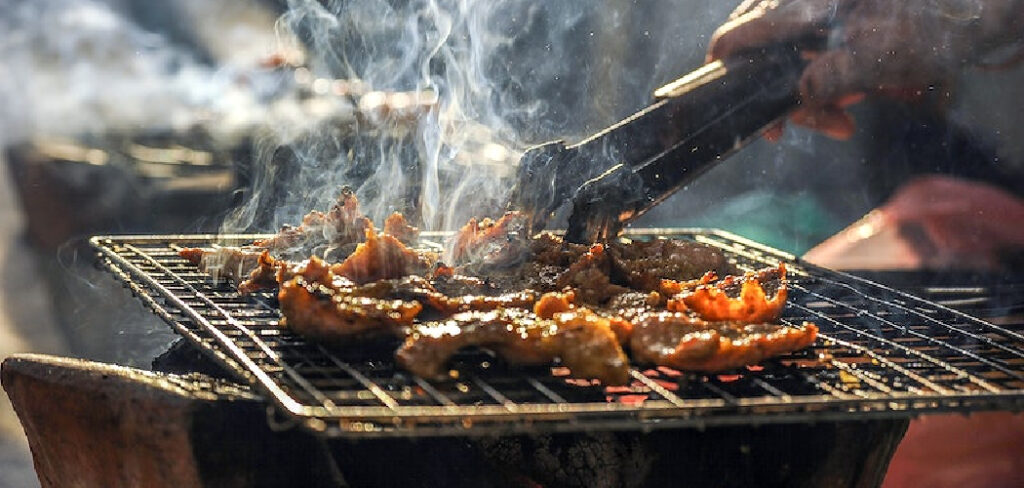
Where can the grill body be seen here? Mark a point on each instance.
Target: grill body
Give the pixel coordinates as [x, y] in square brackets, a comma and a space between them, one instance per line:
[881, 353]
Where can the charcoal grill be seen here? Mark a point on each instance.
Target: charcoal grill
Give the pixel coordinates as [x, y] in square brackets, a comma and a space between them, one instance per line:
[881, 353]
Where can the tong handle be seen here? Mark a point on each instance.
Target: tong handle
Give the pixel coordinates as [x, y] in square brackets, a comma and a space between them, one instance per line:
[698, 121]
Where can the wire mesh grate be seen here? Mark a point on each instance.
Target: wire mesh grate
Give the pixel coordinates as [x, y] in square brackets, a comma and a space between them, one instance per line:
[880, 353]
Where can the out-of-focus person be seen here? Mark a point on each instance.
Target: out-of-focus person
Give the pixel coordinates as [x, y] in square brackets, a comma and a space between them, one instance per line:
[878, 47]
[907, 50]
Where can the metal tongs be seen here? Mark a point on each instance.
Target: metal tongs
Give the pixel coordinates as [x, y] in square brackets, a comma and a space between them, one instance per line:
[616, 175]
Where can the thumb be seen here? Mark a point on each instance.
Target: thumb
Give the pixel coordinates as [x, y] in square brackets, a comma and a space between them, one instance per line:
[755, 30]
[759, 23]
[831, 76]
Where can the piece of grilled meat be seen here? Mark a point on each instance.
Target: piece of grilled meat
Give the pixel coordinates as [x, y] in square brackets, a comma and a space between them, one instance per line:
[334, 235]
[316, 299]
[378, 256]
[224, 263]
[685, 342]
[490, 243]
[587, 348]
[734, 298]
[382, 257]
[642, 265]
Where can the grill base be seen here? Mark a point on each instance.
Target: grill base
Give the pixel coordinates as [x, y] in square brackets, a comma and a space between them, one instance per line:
[217, 434]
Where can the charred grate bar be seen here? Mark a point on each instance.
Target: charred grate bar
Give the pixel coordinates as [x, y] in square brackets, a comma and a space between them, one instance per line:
[881, 353]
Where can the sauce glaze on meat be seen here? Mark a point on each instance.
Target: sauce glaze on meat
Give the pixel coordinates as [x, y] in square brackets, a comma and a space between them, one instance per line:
[530, 300]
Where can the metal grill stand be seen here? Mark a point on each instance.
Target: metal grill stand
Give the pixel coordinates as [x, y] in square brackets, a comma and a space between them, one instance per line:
[882, 354]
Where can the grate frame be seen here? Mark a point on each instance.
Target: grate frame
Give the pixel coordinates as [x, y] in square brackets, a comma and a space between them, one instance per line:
[881, 353]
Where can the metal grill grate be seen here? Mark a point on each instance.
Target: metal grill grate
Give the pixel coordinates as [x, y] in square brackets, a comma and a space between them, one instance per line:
[880, 353]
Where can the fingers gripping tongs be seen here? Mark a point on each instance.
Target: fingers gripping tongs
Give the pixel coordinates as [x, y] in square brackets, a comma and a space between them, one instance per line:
[695, 122]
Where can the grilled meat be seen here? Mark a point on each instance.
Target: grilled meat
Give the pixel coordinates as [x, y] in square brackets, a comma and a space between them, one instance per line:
[324, 314]
[685, 342]
[675, 287]
[442, 305]
[340, 228]
[449, 283]
[315, 297]
[489, 242]
[662, 300]
[719, 301]
[328, 313]
[624, 309]
[338, 233]
[551, 250]
[591, 276]
[551, 305]
[320, 233]
[587, 347]
[396, 225]
[231, 263]
[265, 276]
[382, 257]
[602, 272]
[643, 265]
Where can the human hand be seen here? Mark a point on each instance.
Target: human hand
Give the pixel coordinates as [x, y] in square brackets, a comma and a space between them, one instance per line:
[896, 48]
[932, 222]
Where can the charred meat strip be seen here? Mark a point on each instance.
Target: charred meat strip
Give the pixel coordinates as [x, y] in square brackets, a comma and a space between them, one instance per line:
[252, 268]
[265, 276]
[342, 225]
[601, 272]
[552, 305]
[688, 343]
[674, 287]
[382, 257]
[327, 314]
[421, 290]
[490, 242]
[550, 250]
[339, 231]
[396, 225]
[718, 301]
[319, 304]
[318, 301]
[451, 284]
[231, 263]
[590, 275]
[588, 349]
[643, 265]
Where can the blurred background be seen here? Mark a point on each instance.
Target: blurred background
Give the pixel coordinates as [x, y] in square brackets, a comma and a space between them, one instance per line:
[129, 116]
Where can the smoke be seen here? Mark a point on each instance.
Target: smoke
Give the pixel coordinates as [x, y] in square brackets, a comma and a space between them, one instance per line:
[478, 65]
[483, 81]
[100, 65]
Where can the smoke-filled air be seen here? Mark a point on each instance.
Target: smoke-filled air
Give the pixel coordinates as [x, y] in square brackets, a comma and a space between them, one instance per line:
[443, 99]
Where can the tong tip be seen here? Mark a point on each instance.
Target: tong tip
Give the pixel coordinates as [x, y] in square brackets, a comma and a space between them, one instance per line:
[540, 187]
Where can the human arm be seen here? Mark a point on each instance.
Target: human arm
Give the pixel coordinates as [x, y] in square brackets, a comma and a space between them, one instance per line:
[874, 47]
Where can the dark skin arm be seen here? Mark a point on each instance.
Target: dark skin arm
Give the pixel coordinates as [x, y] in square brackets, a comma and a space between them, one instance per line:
[875, 47]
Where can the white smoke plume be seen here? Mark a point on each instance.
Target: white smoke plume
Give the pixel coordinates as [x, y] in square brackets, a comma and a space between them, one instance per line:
[481, 60]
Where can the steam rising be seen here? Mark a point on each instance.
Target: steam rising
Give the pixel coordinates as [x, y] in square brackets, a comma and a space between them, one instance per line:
[498, 76]
[456, 160]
